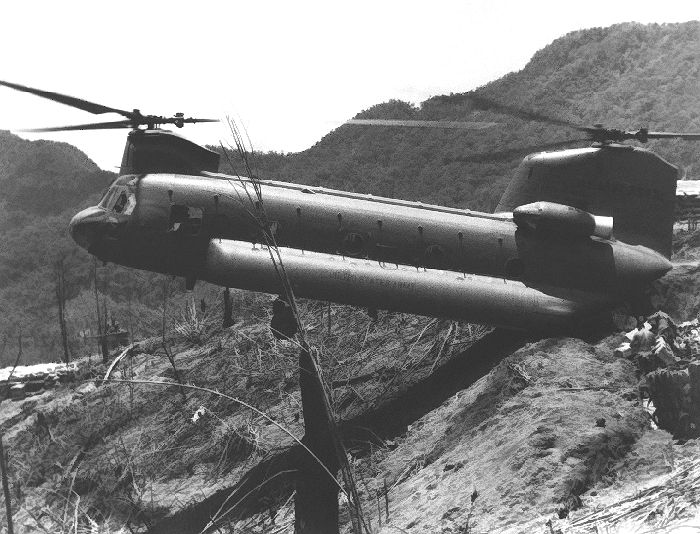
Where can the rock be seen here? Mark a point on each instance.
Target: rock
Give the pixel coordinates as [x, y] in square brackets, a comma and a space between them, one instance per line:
[624, 350]
[641, 338]
[663, 352]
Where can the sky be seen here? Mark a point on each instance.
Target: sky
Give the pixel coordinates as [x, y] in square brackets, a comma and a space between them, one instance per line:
[287, 71]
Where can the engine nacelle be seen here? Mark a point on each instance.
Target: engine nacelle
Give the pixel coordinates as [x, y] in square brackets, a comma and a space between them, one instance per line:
[558, 219]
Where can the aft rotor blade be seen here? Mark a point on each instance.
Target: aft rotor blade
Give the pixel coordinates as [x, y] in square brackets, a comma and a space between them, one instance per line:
[484, 157]
[71, 101]
[423, 124]
[92, 126]
[487, 103]
[672, 135]
[603, 135]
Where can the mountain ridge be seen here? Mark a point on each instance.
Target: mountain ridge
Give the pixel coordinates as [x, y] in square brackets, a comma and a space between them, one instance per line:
[628, 76]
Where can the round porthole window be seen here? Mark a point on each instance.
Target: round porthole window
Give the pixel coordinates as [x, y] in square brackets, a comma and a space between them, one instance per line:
[353, 244]
[435, 252]
[435, 256]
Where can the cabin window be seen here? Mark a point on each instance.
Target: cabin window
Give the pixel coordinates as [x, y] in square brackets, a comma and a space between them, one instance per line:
[185, 220]
[514, 267]
[435, 256]
[435, 252]
[220, 225]
[353, 245]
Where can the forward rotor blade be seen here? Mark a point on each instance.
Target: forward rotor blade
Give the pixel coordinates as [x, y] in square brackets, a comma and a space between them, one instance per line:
[178, 120]
[121, 124]
[423, 124]
[92, 126]
[71, 101]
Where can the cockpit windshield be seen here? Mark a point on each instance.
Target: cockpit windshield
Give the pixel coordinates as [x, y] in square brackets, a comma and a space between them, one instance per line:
[107, 198]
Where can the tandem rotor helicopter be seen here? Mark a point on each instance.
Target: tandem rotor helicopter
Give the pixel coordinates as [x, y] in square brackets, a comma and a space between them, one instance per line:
[576, 233]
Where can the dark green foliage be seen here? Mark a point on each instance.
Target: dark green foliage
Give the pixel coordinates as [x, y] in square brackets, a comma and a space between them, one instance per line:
[42, 184]
[45, 177]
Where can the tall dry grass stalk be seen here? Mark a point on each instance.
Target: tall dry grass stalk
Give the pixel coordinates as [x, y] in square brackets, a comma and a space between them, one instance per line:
[255, 208]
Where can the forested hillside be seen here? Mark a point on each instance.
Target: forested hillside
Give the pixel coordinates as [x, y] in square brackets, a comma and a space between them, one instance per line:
[625, 76]
[42, 185]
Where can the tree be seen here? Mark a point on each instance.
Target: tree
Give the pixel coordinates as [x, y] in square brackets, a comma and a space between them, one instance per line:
[60, 274]
[228, 309]
[101, 332]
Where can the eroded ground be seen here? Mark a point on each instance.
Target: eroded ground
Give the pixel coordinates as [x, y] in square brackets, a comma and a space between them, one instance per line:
[449, 428]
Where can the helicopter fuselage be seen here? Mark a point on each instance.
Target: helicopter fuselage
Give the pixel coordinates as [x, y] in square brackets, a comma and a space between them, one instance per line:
[550, 254]
[177, 224]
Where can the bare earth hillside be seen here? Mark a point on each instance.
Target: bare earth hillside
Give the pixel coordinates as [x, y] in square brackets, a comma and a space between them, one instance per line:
[450, 428]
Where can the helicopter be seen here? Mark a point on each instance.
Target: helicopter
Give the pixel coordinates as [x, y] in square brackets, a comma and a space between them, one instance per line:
[577, 232]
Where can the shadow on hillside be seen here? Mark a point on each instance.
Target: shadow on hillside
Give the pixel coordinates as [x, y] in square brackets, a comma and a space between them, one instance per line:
[270, 483]
[392, 417]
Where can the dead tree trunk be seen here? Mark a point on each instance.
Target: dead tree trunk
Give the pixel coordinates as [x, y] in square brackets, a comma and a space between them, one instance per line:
[101, 337]
[164, 341]
[105, 327]
[667, 389]
[694, 379]
[316, 501]
[128, 309]
[5, 488]
[61, 301]
[228, 309]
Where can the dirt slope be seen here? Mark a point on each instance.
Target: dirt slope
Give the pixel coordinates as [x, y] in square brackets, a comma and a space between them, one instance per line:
[529, 438]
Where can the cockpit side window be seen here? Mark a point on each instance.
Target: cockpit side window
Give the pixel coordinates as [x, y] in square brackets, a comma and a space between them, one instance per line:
[120, 204]
[130, 204]
[120, 200]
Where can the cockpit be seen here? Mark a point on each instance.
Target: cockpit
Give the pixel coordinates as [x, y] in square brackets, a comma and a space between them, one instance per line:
[99, 229]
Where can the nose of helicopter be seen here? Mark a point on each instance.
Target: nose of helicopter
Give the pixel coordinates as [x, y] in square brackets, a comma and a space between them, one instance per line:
[85, 226]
